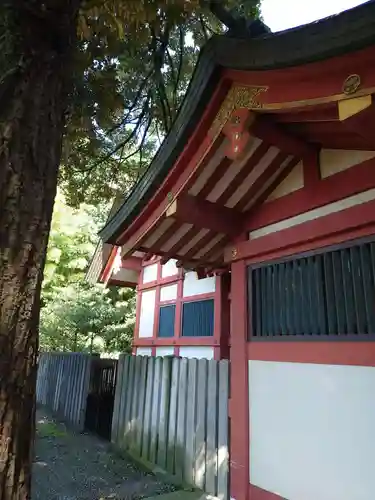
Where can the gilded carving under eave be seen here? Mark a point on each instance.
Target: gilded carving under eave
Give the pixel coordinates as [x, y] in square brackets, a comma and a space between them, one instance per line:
[238, 97]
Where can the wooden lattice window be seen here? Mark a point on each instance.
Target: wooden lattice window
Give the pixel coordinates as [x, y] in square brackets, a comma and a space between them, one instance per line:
[331, 293]
[198, 318]
[166, 321]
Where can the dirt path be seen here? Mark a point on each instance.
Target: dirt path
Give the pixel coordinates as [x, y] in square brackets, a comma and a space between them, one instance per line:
[70, 466]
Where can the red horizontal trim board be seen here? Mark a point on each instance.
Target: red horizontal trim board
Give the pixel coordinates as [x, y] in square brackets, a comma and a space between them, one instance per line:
[193, 341]
[299, 83]
[169, 280]
[334, 188]
[256, 493]
[127, 284]
[329, 241]
[306, 233]
[133, 263]
[322, 353]
[192, 153]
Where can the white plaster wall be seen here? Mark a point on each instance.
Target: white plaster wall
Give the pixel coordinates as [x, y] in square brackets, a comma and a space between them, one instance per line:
[127, 275]
[165, 351]
[291, 183]
[147, 316]
[312, 432]
[150, 273]
[168, 292]
[144, 351]
[333, 161]
[194, 286]
[198, 352]
[169, 269]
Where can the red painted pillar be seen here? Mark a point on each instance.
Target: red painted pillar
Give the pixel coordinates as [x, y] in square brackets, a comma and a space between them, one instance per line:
[221, 318]
[239, 392]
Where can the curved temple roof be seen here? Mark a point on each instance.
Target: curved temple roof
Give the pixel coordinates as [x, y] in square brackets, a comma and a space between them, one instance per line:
[347, 32]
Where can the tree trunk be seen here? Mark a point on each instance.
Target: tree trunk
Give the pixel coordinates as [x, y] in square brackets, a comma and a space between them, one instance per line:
[33, 101]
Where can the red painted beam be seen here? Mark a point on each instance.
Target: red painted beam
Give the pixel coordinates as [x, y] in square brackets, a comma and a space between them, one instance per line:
[205, 215]
[133, 263]
[311, 170]
[239, 390]
[306, 234]
[362, 123]
[322, 113]
[336, 187]
[299, 84]
[270, 132]
[124, 284]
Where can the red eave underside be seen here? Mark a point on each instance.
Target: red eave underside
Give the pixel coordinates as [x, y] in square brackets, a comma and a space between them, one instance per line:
[302, 110]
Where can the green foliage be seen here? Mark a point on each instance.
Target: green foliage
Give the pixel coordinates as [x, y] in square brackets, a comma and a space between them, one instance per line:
[133, 65]
[132, 62]
[77, 316]
[80, 317]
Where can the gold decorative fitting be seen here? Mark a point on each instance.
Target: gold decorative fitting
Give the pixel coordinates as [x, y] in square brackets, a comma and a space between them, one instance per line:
[234, 253]
[351, 84]
[238, 97]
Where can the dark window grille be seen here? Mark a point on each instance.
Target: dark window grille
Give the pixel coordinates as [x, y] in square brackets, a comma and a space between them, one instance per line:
[327, 294]
[198, 318]
[166, 321]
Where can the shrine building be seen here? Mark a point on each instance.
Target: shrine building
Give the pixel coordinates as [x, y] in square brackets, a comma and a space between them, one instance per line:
[251, 237]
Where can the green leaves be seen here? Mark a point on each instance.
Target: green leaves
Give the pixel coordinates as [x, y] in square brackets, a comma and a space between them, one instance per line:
[134, 61]
[77, 316]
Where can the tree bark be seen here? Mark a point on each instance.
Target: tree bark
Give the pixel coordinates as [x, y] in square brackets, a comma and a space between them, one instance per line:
[33, 101]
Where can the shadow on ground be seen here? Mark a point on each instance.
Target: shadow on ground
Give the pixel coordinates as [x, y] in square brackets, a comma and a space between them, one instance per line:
[72, 466]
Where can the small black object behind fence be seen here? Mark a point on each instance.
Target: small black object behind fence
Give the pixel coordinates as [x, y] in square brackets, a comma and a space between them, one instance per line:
[101, 396]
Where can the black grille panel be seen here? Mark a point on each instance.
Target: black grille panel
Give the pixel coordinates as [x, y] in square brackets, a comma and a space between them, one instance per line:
[327, 294]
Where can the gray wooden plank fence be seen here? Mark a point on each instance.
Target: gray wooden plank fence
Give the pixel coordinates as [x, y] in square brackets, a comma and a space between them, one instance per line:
[62, 385]
[173, 413]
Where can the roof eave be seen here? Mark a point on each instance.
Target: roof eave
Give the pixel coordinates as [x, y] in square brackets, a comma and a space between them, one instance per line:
[192, 107]
[333, 36]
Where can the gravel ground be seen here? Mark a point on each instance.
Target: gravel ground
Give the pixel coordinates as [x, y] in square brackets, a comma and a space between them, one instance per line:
[72, 466]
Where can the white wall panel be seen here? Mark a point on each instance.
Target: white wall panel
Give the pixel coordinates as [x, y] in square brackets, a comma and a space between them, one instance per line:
[167, 350]
[168, 292]
[291, 183]
[333, 161]
[146, 320]
[150, 273]
[199, 352]
[169, 269]
[312, 433]
[144, 351]
[194, 286]
[126, 275]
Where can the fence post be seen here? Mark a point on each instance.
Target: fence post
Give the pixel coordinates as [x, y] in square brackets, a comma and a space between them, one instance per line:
[165, 394]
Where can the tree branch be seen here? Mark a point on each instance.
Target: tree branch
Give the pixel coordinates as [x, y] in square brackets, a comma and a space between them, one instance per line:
[203, 28]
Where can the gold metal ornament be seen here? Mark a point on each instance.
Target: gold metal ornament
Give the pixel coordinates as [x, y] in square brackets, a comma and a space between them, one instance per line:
[238, 97]
[351, 84]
